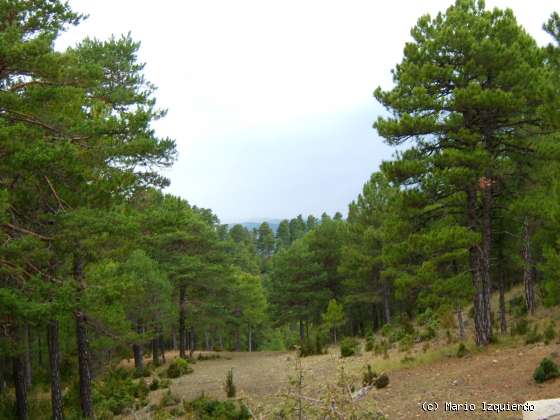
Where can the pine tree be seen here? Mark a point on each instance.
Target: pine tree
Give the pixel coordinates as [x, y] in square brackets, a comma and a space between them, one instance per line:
[468, 92]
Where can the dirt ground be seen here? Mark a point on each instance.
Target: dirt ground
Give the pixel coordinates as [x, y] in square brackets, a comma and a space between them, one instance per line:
[496, 375]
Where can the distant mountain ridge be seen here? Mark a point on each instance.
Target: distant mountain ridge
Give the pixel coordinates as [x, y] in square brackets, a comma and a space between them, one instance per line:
[273, 223]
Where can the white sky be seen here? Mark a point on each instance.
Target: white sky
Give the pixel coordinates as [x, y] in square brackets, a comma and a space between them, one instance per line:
[271, 102]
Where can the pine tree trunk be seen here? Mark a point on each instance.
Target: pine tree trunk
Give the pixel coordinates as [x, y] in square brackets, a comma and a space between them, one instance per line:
[238, 339]
[334, 333]
[20, 386]
[138, 352]
[480, 314]
[486, 258]
[27, 357]
[53, 343]
[182, 321]
[3, 383]
[460, 323]
[84, 365]
[386, 307]
[192, 340]
[39, 351]
[528, 270]
[301, 331]
[379, 315]
[161, 343]
[174, 340]
[250, 339]
[155, 351]
[502, 292]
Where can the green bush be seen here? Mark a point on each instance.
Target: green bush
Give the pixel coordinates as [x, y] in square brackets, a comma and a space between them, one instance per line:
[406, 343]
[311, 345]
[382, 347]
[155, 384]
[533, 336]
[430, 332]
[407, 359]
[37, 407]
[549, 332]
[425, 317]
[206, 409]
[169, 400]
[370, 342]
[520, 327]
[145, 372]
[368, 377]
[551, 291]
[178, 367]
[117, 391]
[386, 330]
[349, 346]
[229, 385]
[517, 306]
[546, 370]
[382, 381]
[462, 351]
[208, 356]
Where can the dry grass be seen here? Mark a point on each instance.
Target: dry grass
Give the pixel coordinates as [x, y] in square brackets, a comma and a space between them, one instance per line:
[501, 373]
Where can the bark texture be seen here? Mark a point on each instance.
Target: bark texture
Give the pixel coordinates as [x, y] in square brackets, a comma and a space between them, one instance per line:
[53, 343]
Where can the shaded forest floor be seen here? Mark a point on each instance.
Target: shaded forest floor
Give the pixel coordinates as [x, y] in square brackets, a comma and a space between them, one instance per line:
[498, 374]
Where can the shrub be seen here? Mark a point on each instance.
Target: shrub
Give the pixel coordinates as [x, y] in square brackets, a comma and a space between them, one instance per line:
[462, 351]
[117, 391]
[382, 381]
[229, 385]
[447, 319]
[533, 336]
[520, 327]
[425, 317]
[386, 330]
[407, 359]
[517, 306]
[382, 347]
[154, 385]
[206, 409]
[429, 333]
[370, 341]
[398, 333]
[406, 343]
[368, 377]
[546, 370]
[178, 367]
[311, 346]
[208, 356]
[549, 332]
[349, 346]
[169, 400]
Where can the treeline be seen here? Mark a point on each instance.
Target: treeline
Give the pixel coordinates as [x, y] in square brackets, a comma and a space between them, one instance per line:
[468, 206]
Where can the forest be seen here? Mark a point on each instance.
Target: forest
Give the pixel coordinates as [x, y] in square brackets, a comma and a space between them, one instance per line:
[98, 264]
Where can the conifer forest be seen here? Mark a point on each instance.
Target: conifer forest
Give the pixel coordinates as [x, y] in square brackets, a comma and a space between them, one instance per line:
[119, 300]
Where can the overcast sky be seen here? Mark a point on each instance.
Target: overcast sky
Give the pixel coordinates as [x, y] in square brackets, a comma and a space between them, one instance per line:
[271, 102]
